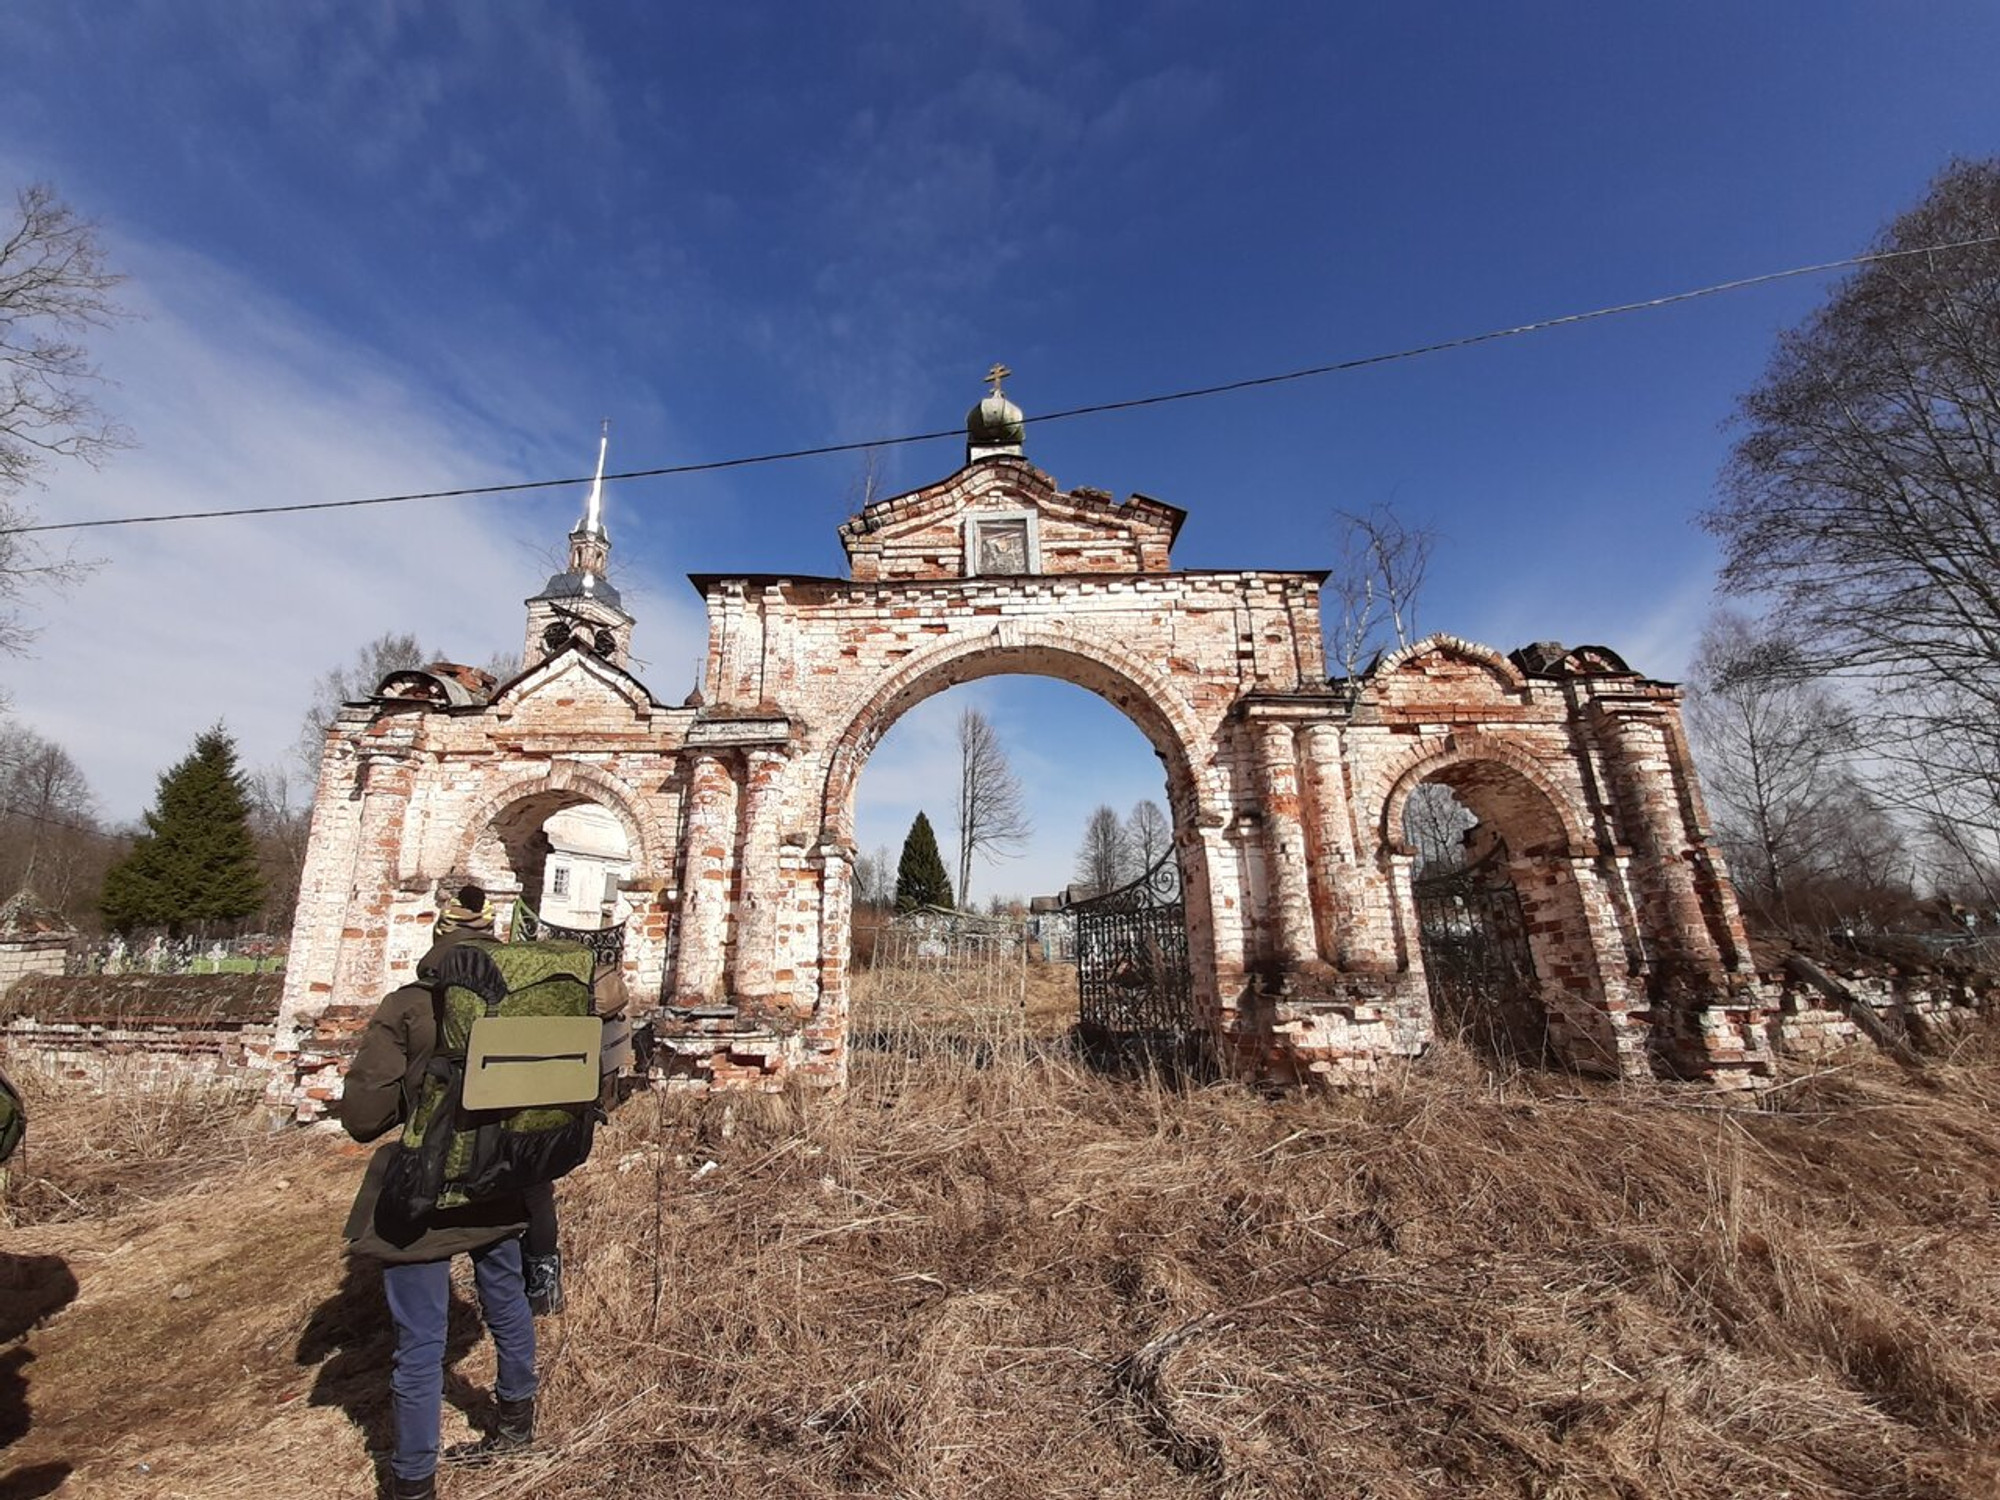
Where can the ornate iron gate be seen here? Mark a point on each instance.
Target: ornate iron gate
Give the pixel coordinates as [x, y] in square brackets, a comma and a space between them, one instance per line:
[1132, 978]
[1477, 961]
[608, 943]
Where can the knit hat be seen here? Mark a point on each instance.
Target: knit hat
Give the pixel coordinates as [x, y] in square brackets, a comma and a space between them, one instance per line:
[469, 911]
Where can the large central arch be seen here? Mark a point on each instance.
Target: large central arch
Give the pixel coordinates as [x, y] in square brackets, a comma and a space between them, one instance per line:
[1098, 666]
[1034, 650]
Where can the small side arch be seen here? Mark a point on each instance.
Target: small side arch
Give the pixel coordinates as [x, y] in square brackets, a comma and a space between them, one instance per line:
[574, 782]
[1549, 821]
[1572, 1007]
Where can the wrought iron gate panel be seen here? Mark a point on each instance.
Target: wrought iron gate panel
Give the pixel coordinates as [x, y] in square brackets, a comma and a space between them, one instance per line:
[1477, 962]
[1132, 958]
[607, 943]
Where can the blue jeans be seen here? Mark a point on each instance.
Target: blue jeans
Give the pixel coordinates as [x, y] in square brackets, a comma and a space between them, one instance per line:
[420, 1302]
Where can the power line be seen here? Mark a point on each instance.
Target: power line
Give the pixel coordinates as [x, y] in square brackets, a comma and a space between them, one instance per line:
[1464, 341]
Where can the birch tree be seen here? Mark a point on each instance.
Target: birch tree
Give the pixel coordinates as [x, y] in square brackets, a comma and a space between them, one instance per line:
[992, 815]
[1380, 562]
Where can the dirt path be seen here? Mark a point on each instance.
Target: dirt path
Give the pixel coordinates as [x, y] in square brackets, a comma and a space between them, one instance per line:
[196, 1345]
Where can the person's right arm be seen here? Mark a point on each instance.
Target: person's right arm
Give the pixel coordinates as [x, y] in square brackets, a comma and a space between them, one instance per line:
[372, 1099]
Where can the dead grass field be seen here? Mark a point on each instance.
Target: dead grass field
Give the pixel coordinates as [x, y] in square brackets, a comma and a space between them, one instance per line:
[989, 1271]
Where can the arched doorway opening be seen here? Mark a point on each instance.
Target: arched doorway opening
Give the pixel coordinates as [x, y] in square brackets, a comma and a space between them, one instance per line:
[1499, 919]
[1004, 955]
[556, 860]
[1155, 770]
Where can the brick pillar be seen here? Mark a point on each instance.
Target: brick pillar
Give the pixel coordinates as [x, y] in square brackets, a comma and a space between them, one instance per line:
[1285, 845]
[1331, 876]
[711, 838]
[826, 1032]
[1649, 798]
[1398, 885]
[761, 887]
[360, 968]
[1611, 967]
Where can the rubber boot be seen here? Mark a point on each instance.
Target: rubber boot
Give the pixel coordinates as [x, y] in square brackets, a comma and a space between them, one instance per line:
[513, 1432]
[544, 1277]
[413, 1489]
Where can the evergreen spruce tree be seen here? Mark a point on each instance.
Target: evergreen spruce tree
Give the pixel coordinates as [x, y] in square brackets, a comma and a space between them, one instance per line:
[196, 862]
[920, 874]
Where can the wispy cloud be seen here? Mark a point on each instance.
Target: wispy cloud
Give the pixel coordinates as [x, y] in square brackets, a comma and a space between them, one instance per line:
[240, 399]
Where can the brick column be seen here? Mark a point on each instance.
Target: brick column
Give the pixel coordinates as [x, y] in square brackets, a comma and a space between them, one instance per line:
[826, 1032]
[761, 887]
[1285, 845]
[361, 966]
[1612, 965]
[322, 906]
[1649, 798]
[711, 838]
[1331, 876]
[1399, 887]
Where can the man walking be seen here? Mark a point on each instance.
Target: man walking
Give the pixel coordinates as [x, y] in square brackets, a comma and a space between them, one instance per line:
[416, 1274]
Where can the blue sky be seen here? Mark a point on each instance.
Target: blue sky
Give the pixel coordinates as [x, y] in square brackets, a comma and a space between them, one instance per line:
[392, 246]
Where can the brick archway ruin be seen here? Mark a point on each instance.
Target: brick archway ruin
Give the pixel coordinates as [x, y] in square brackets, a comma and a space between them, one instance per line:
[1287, 791]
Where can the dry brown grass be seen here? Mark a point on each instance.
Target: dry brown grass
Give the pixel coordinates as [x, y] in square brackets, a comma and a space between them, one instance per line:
[97, 1147]
[989, 1271]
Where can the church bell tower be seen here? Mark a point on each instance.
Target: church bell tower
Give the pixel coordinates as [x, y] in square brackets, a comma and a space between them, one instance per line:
[580, 607]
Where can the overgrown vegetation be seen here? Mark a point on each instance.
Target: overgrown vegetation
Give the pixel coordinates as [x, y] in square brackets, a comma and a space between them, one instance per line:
[989, 1271]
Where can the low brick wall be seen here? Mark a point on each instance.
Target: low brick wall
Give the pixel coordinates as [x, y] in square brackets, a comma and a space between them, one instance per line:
[1918, 1004]
[220, 1028]
[201, 1027]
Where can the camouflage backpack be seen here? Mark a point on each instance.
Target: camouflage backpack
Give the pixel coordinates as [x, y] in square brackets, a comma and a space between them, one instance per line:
[509, 1097]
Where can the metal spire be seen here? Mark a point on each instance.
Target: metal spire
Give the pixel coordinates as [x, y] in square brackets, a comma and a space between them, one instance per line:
[595, 509]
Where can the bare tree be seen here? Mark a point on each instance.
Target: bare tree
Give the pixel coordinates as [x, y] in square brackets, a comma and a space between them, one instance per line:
[1436, 823]
[869, 480]
[1148, 835]
[874, 878]
[280, 821]
[503, 666]
[1105, 860]
[1864, 499]
[350, 683]
[1380, 562]
[1775, 748]
[54, 288]
[52, 843]
[991, 817]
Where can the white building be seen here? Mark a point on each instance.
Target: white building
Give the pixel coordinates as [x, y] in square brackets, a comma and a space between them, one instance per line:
[588, 857]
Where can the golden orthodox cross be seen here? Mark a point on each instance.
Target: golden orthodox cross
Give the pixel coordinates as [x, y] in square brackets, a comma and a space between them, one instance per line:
[998, 373]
